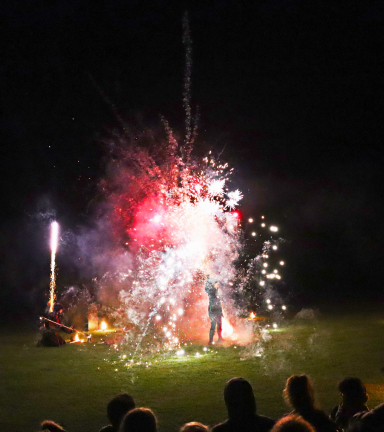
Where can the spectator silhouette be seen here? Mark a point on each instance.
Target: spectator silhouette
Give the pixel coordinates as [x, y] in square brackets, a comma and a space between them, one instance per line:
[117, 408]
[139, 420]
[300, 396]
[371, 421]
[51, 426]
[241, 406]
[292, 423]
[194, 427]
[353, 399]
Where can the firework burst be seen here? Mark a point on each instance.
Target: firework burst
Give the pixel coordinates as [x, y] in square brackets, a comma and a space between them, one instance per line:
[173, 215]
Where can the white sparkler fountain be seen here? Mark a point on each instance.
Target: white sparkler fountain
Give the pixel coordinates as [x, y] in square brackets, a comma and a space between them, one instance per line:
[54, 244]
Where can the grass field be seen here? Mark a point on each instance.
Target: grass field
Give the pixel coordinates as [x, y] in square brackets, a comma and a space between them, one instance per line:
[73, 384]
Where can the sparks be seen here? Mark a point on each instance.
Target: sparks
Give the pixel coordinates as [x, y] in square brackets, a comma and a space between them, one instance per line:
[234, 198]
[54, 244]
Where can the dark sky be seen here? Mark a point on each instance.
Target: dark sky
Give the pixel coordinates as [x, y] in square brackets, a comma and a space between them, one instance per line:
[291, 90]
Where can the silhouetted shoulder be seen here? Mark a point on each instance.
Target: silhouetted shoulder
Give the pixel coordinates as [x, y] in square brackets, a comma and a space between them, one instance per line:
[258, 424]
[221, 427]
[319, 420]
[108, 428]
[265, 423]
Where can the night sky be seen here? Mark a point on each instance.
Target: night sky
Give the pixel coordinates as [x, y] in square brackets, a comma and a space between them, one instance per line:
[291, 93]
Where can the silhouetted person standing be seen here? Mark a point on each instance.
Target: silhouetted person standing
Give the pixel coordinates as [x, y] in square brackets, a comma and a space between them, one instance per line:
[215, 310]
[241, 406]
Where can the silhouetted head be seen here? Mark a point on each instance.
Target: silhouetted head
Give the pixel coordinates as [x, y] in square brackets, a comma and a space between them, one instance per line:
[118, 407]
[194, 427]
[292, 423]
[299, 392]
[239, 398]
[353, 391]
[139, 420]
[51, 426]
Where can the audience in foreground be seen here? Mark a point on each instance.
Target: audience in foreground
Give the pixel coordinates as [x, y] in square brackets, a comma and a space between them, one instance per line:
[117, 408]
[194, 427]
[292, 423]
[299, 394]
[353, 399]
[51, 426]
[351, 415]
[139, 420]
[371, 421]
[241, 406]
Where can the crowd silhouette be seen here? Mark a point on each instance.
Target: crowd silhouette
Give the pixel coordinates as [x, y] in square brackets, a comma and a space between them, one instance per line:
[351, 415]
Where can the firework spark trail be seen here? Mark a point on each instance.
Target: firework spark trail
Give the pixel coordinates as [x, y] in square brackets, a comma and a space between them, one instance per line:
[52, 285]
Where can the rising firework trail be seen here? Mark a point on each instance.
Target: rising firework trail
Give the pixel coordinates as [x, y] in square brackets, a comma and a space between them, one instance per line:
[52, 285]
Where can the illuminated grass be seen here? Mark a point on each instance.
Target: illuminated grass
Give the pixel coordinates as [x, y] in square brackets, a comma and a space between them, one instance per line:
[73, 384]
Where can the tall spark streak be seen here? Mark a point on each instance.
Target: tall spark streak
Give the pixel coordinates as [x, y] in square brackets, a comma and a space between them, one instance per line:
[52, 285]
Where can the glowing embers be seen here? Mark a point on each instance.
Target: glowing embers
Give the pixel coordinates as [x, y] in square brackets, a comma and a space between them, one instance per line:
[254, 317]
[103, 325]
[77, 339]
